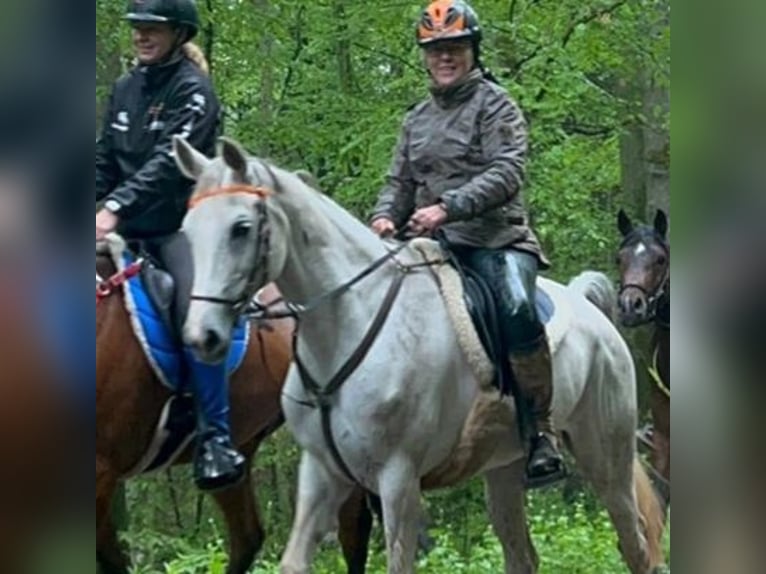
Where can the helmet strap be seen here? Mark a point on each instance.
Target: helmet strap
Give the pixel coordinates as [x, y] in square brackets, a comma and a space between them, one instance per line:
[182, 36]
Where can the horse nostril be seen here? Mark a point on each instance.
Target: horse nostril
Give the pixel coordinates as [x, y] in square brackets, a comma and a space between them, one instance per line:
[638, 305]
[212, 339]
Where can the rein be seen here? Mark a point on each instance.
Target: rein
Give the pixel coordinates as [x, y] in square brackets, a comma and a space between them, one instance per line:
[294, 310]
[105, 287]
[654, 373]
[246, 305]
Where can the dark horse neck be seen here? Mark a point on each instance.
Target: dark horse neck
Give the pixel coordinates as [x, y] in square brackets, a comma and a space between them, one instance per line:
[662, 318]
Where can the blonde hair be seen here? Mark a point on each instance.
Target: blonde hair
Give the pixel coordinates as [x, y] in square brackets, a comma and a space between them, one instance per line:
[194, 53]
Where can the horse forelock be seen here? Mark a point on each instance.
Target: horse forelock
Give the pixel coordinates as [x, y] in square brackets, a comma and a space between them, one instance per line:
[644, 234]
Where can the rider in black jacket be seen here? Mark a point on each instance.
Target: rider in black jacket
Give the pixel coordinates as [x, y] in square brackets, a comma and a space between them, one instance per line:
[145, 195]
[135, 169]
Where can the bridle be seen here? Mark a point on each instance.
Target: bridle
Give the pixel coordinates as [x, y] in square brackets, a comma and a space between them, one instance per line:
[262, 248]
[321, 394]
[246, 304]
[661, 292]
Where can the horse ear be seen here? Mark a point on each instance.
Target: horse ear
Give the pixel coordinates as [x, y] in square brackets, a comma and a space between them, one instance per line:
[623, 223]
[661, 223]
[308, 178]
[191, 162]
[234, 156]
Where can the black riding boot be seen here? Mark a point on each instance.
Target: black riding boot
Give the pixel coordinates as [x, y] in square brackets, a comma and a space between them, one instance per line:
[534, 374]
[217, 464]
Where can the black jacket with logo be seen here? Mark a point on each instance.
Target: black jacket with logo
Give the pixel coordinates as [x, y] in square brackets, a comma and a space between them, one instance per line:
[135, 167]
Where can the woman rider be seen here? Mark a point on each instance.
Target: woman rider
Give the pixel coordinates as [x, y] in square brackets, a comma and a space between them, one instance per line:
[459, 166]
[145, 195]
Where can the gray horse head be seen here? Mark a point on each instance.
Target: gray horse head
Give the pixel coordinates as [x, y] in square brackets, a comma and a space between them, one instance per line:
[236, 238]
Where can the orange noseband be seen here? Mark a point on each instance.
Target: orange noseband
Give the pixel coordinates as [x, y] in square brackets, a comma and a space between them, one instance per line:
[198, 198]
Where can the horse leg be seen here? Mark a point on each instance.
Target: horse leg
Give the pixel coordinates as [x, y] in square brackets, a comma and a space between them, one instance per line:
[354, 530]
[246, 535]
[624, 488]
[109, 555]
[399, 489]
[320, 496]
[506, 507]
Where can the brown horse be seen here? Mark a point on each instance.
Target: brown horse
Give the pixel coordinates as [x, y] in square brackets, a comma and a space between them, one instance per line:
[129, 399]
[644, 266]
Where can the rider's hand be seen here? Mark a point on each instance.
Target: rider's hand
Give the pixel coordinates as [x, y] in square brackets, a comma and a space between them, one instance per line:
[427, 219]
[106, 222]
[383, 226]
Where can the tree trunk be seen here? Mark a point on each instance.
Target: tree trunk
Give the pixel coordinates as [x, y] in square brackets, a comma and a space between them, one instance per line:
[266, 97]
[343, 50]
[656, 129]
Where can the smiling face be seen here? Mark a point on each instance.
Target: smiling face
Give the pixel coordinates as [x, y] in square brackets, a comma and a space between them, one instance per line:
[449, 61]
[153, 41]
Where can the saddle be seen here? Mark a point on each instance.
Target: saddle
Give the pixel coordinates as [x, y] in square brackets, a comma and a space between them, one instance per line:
[483, 310]
[160, 288]
[482, 307]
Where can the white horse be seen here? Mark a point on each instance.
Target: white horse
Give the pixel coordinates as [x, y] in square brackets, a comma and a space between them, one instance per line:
[398, 414]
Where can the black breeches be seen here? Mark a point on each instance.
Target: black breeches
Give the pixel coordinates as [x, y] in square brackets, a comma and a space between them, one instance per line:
[511, 276]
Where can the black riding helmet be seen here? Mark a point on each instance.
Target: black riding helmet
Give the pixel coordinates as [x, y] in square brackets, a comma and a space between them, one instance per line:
[177, 12]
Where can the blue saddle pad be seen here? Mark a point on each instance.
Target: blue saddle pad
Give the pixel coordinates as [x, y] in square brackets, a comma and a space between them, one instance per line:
[162, 348]
[545, 306]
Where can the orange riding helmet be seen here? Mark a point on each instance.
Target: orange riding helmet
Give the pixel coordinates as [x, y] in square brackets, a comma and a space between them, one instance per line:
[448, 20]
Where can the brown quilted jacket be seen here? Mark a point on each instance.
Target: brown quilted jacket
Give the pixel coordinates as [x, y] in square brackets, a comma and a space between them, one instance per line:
[466, 147]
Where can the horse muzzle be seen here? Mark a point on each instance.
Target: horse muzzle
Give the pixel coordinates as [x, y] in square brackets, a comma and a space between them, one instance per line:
[633, 310]
[209, 343]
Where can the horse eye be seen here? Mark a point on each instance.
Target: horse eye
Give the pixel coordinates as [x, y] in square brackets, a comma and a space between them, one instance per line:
[240, 230]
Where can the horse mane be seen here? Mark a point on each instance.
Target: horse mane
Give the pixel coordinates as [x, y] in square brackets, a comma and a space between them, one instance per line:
[283, 179]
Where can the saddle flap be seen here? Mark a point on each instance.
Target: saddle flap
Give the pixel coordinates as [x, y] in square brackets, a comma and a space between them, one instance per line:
[160, 288]
[552, 307]
[149, 299]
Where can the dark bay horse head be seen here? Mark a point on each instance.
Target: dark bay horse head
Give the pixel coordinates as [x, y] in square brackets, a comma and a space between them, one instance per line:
[643, 260]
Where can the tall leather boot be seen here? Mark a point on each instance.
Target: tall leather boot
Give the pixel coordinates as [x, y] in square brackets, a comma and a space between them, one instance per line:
[217, 464]
[534, 373]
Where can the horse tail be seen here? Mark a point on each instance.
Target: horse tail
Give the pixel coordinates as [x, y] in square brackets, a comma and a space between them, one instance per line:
[597, 288]
[194, 53]
[651, 515]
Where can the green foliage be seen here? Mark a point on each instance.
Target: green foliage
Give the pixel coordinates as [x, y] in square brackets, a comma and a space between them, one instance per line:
[571, 537]
[324, 86]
